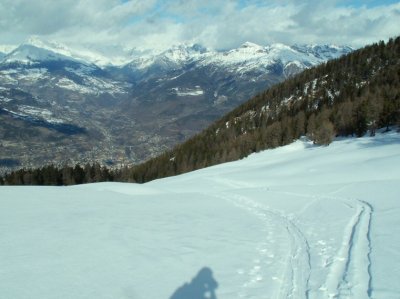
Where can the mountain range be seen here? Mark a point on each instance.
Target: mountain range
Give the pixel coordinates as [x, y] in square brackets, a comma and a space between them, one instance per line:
[119, 107]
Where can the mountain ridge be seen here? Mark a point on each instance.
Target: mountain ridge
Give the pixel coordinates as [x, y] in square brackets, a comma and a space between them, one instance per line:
[179, 52]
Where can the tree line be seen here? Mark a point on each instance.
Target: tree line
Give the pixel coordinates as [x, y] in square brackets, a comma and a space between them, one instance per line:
[52, 175]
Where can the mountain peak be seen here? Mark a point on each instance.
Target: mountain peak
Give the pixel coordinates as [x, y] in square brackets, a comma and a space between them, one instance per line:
[35, 41]
[7, 48]
[52, 46]
[247, 44]
[247, 49]
[188, 48]
[35, 50]
[184, 52]
[323, 51]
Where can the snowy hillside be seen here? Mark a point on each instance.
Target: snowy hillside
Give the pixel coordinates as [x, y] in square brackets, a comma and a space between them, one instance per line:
[299, 221]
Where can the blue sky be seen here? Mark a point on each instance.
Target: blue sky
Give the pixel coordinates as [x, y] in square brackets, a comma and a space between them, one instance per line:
[368, 3]
[219, 24]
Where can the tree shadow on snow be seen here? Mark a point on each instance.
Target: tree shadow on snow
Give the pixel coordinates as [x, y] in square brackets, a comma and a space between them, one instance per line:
[201, 287]
[386, 138]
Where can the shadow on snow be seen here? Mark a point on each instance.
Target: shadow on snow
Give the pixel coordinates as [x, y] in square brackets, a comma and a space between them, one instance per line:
[202, 286]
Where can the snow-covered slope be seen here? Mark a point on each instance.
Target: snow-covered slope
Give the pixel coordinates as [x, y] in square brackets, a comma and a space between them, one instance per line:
[295, 222]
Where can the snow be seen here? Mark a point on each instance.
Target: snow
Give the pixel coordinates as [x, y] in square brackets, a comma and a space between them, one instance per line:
[18, 114]
[5, 99]
[7, 48]
[41, 113]
[35, 112]
[300, 221]
[91, 86]
[71, 85]
[18, 75]
[181, 92]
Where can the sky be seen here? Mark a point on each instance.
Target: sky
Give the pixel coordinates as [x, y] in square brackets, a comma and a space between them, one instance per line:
[217, 24]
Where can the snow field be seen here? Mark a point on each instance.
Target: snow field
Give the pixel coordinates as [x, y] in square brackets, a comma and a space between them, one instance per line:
[295, 222]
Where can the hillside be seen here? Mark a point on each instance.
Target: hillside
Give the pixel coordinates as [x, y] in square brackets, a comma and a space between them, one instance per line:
[300, 221]
[351, 95]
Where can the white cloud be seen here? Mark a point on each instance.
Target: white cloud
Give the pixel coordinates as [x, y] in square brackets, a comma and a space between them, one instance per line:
[218, 24]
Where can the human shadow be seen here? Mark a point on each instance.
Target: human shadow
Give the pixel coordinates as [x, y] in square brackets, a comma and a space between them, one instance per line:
[202, 286]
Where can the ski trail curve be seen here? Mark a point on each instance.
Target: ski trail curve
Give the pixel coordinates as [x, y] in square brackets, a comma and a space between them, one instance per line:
[350, 274]
[297, 270]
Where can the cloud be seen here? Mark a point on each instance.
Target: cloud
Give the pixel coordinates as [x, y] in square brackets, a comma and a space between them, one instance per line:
[62, 18]
[216, 24]
[291, 22]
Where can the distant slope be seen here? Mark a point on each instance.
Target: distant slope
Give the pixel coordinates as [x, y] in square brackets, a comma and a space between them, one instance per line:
[347, 96]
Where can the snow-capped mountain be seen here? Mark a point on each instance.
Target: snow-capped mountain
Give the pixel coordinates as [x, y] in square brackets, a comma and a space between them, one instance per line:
[29, 54]
[324, 52]
[131, 103]
[38, 49]
[246, 58]
[115, 55]
[175, 57]
[34, 51]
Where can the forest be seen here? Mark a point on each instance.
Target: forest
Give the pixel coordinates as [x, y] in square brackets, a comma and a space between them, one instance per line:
[350, 96]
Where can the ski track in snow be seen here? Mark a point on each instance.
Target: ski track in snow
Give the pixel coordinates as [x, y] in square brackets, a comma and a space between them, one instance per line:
[296, 272]
[350, 272]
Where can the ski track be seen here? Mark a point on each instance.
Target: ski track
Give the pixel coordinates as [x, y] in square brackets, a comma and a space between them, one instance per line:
[350, 274]
[296, 273]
